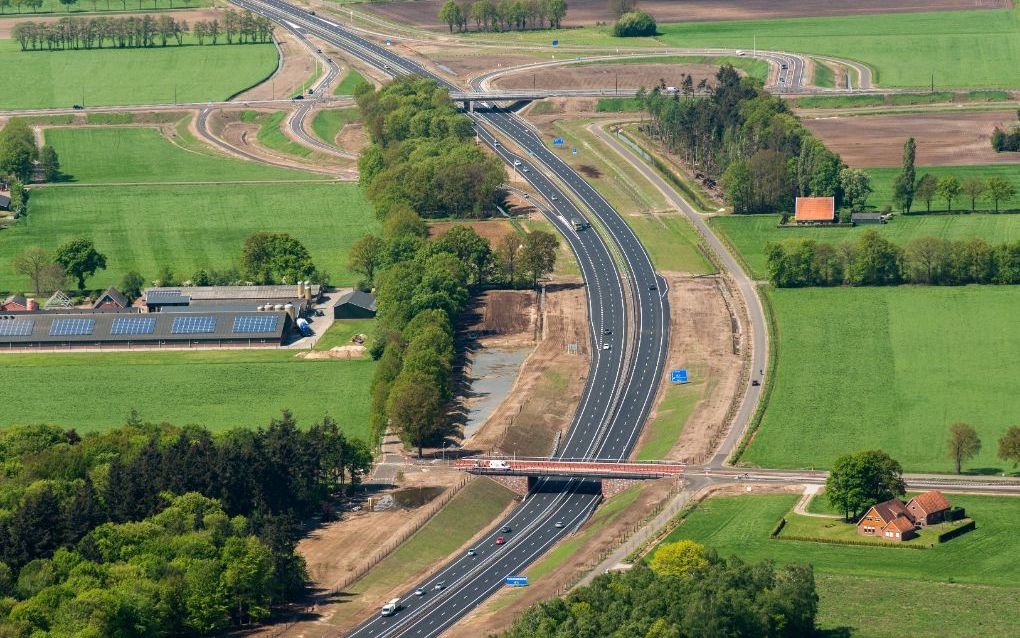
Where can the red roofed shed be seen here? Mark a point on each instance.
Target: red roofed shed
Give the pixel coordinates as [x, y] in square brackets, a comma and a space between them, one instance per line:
[815, 210]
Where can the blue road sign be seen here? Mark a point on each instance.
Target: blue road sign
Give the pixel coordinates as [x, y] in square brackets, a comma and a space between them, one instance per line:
[678, 376]
[573, 150]
[517, 581]
[556, 43]
[388, 42]
[557, 141]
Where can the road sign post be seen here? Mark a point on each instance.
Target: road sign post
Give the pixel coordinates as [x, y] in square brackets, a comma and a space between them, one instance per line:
[517, 581]
[678, 376]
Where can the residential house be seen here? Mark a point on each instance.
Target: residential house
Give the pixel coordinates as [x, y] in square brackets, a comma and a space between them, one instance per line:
[928, 508]
[111, 298]
[888, 520]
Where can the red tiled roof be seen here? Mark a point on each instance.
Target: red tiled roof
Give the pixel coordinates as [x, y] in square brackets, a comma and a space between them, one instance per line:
[931, 502]
[890, 510]
[815, 209]
[900, 524]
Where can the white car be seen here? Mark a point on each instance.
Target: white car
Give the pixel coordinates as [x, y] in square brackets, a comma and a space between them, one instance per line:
[419, 592]
[741, 53]
[517, 162]
[606, 346]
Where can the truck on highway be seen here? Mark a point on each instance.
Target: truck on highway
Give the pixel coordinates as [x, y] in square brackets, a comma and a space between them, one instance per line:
[302, 324]
[578, 223]
[391, 607]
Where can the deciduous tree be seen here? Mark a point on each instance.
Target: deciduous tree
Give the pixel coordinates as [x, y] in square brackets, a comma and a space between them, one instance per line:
[1009, 445]
[1000, 189]
[366, 255]
[948, 188]
[904, 186]
[80, 259]
[679, 559]
[858, 481]
[963, 444]
[926, 189]
[538, 254]
[973, 188]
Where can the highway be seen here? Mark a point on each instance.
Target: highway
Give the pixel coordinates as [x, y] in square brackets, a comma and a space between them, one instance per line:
[629, 334]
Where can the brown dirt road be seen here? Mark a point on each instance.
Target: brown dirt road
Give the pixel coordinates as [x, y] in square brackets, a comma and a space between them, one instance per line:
[425, 13]
[943, 138]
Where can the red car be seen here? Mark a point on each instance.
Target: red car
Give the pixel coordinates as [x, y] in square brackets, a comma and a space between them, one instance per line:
[500, 540]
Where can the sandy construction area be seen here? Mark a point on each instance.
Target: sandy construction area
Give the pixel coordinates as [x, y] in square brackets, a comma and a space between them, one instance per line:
[425, 13]
[298, 67]
[606, 76]
[943, 138]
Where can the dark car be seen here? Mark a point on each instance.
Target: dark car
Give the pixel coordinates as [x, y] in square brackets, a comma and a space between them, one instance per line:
[506, 529]
[77, 107]
[299, 97]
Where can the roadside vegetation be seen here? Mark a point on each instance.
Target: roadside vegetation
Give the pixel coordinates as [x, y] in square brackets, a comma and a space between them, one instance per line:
[328, 123]
[137, 76]
[63, 7]
[899, 99]
[503, 15]
[349, 82]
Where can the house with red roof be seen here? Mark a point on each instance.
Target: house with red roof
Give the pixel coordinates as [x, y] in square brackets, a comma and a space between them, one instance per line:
[928, 508]
[815, 210]
[896, 521]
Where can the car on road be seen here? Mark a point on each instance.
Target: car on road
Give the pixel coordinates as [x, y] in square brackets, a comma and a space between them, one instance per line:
[506, 529]
[419, 592]
[560, 525]
[741, 52]
[653, 287]
[525, 169]
[299, 97]
[755, 382]
[554, 198]
[607, 331]
[606, 346]
[440, 586]
[472, 552]
[526, 196]
[517, 162]
[77, 107]
[500, 540]
[386, 66]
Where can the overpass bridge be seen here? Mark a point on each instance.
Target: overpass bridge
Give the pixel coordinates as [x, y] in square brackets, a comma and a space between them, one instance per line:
[521, 475]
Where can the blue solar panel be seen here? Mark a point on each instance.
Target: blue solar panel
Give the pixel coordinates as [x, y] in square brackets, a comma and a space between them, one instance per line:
[255, 323]
[133, 326]
[72, 327]
[16, 327]
[192, 325]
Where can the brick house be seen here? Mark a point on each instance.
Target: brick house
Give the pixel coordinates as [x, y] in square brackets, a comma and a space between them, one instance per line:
[928, 508]
[111, 298]
[14, 303]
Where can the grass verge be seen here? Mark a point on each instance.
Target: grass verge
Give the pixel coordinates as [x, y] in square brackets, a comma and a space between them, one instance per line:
[349, 82]
[327, 123]
[342, 331]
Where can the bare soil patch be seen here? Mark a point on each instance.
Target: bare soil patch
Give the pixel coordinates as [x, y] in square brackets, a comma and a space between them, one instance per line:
[425, 13]
[7, 21]
[510, 316]
[549, 385]
[298, 66]
[352, 137]
[603, 76]
[943, 138]
[704, 337]
[499, 611]
[336, 352]
[491, 229]
[466, 63]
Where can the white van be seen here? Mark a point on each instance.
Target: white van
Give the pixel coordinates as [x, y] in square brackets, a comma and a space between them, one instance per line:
[391, 607]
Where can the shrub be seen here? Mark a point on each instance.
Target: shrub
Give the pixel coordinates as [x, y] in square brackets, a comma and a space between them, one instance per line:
[635, 24]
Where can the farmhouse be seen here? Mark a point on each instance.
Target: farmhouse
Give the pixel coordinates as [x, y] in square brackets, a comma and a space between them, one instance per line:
[354, 305]
[896, 521]
[867, 218]
[815, 210]
[111, 298]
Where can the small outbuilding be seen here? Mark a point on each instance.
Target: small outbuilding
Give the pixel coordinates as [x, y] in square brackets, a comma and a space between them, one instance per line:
[815, 210]
[16, 303]
[5, 200]
[928, 508]
[354, 305]
[111, 298]
[867, 218]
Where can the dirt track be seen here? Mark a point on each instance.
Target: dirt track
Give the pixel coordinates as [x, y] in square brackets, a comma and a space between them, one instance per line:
[602, 76]
[943, 139]
[298, 67]
[425, 13]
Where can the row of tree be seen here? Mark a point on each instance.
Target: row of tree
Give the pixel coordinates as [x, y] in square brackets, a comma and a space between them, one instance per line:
[20, 157]
[745, 139]
[503, 15]
[36, 5]
[872, 260]
[134, 32]
[949, 188]
[686, 591]
[964, 444]
[423, 154]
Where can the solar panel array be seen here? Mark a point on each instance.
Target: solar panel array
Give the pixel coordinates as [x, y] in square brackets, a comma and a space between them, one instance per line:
[16, 327]
[133, 326]
[255, 323]
[193, 325]
[72, 327]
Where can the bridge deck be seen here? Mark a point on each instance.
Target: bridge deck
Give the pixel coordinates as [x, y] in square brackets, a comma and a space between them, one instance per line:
[570, 467]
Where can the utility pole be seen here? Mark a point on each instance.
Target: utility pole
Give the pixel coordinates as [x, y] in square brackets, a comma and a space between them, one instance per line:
[617, 82]
[83, 95]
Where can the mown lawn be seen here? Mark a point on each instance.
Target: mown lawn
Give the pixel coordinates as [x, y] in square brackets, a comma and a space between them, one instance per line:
[142, 228]
[105, 6]
[750, 233]
[328, 122]
[219, 389]
[961, 48]
[342, 331]
[119, 155]
[878, 591]
[130, 76]
[892, 369]
[882, 182]
[346, 85]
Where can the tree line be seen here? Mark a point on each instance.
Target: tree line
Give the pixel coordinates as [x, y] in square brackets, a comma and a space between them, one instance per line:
[503, 15]
[76, 511]
[686, 591]
[69, 33]
[35, 5]
[423, 154]
[21, 160]
[745, 140]
[872, 260]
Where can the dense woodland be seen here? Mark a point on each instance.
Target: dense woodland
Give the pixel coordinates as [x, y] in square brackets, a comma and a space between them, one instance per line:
[744, 139]
[503, 15]
[152, 530]
[68, 33]
[422, 162]
[875, 261]
[689, 593]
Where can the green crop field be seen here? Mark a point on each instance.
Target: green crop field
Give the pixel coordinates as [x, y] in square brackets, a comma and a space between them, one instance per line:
[899, 99]
[892, 369]
[346, 85]
[216, 388]
[144, 155]
[130, 76]
[749, 233]
[877, 591]
[107, 6]
[327, 123]
[882, 182]
[186, 226]
[961, 48]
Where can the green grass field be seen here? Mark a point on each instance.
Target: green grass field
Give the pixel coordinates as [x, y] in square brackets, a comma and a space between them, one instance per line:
[120, 155]
[749, 233]
[882, 182]
[962, 48]
[824, 75]
[601, 37]
[328, 122]
[271, 135]
[670, 417]
[892, 369]
[899, 99]
[342, 331]
[754, 68]
[219, 389]
[130, 76]
[877, 591]
[346, 85]
[108, 6]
